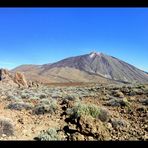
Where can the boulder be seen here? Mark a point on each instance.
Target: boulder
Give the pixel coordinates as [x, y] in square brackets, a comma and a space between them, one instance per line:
[93, 127]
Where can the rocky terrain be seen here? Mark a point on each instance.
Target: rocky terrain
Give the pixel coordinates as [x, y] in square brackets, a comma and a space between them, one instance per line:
[92, 97]
[84, 111]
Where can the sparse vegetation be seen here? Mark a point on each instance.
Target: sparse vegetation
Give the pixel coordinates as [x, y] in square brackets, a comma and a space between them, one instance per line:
[85, 115]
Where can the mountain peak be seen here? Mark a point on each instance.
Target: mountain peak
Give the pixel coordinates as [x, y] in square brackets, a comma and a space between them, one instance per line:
[94, 53]
[89, 65]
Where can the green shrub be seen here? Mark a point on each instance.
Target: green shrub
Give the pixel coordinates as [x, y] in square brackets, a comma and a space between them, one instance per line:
[84, 109]
[48, 135]
[90, 110]
[45, 108]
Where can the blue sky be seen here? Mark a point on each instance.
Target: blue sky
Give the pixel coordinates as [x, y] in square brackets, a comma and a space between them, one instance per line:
[46, 35]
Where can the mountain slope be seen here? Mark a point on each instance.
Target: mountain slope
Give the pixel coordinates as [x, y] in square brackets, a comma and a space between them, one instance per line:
[89, 67]
[59, 74]
[25, 68]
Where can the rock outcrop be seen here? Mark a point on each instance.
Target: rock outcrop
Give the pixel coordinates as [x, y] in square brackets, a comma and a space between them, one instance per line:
[19, 78]
[12, 79]
[5, 75]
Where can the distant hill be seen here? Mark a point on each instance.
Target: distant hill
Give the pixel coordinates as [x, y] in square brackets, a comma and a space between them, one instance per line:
[92, 67]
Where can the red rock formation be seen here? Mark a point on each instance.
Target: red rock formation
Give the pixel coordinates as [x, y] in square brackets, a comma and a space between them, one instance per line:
[17, 79]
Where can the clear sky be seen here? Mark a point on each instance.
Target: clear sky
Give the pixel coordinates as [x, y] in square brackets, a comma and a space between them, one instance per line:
[46, 35]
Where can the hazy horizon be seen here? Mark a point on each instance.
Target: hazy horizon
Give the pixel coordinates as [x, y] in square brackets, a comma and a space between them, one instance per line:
[47, 35]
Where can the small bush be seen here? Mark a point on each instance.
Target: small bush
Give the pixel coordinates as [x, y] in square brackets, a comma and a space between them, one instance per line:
[136, 91]
[45, 108]
[43, 96]
[124, 89]
[132, 93]
[71, 98]
[117, 93]
[49, 135]
[118, 102]
[13, 97]
[6, 127]
[84, 109]
[113, 102]
[89, 110]
[144, 101]
[34, 98]
[45, 101]
[116, 123]
[146, 91]
[104, 115]
[19, 106]
[53, 103]
[25, 96]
